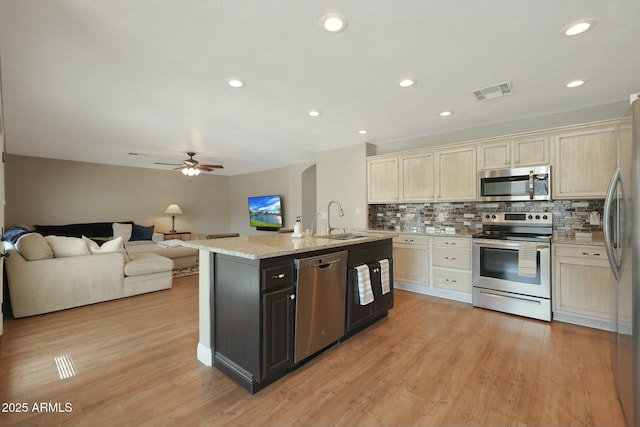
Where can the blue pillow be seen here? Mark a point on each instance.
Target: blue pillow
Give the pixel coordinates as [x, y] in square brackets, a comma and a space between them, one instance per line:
[139, 232]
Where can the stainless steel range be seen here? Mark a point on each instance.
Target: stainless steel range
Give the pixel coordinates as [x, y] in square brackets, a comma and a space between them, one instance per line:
[512, 263]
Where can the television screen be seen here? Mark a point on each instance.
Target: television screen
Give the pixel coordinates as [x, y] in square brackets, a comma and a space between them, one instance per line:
[265, 212]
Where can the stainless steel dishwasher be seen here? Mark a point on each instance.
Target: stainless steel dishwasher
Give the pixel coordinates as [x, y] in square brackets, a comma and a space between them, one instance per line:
[321, 289]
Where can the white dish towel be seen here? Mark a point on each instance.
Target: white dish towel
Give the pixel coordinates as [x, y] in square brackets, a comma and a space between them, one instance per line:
[527, 259]
[384, 276]
[364, 285]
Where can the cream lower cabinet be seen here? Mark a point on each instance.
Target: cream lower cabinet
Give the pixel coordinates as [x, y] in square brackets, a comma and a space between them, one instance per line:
[411, 261]
[436, 266]
[583, 286]
[451, 266]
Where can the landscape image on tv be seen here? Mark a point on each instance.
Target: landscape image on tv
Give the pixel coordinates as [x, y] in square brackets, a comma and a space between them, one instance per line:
[265, 212]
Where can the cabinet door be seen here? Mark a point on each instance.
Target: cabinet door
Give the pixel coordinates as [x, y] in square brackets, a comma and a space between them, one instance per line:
[494, 155]
[279, 322]
[584, 162]
[358, 315]
[531, 151]
[582, 286]
[382, 302]
[416, 178]
[411, 263]
[456, 174]
[382, 180]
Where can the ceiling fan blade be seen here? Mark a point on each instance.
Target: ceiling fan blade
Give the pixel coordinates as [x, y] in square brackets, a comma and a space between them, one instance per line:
[167, 164]
[213, 166]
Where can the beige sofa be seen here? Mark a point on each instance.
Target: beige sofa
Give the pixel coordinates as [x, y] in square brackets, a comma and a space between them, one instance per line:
[46, 274]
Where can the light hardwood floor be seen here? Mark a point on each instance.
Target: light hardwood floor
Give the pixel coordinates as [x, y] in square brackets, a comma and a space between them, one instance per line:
[431, 362]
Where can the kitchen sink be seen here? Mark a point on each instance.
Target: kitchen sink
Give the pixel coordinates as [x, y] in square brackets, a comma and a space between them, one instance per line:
[348, 236]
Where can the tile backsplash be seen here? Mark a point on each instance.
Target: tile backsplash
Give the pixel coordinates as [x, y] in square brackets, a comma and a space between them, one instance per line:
[569, 216]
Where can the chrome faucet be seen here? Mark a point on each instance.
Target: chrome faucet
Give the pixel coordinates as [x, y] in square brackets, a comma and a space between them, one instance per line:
[340, 212]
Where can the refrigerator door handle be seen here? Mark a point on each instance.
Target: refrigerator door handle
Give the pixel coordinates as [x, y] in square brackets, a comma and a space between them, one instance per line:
[608, 240]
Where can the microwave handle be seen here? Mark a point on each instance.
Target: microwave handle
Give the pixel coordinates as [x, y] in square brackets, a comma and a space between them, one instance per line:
[531, 184]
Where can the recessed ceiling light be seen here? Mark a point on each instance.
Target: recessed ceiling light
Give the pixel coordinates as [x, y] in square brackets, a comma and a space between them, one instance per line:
[446, 113]
[334, 23]
[314, 113]
[575, 83]
[407, 82]
[235, 82]
[363, 131]
[579, 27]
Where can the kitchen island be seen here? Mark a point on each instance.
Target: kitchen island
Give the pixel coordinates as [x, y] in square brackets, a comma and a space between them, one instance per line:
[247, 299]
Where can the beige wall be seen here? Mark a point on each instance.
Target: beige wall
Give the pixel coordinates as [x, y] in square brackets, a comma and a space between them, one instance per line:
[46, 191]
[286, 182]
[342, 176]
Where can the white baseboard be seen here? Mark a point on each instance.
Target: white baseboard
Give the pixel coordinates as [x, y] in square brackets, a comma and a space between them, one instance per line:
[440, 293]
[205, 355]
[590, 322]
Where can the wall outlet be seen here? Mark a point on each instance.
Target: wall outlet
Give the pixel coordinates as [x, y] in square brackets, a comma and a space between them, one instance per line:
[357, 211]
[594, 218]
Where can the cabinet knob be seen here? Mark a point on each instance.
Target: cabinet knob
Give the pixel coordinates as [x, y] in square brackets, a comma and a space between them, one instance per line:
[450, 258]
[590, 254]
[278, 276]
[292, 296]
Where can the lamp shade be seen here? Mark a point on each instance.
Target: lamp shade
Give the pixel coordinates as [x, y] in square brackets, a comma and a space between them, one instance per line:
[173, 209]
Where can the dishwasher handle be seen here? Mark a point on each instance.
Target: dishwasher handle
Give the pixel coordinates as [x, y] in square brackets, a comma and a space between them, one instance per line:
[328, 264]
[321, 261]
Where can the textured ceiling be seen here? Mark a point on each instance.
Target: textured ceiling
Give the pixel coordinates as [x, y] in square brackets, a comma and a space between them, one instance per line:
[93, 80]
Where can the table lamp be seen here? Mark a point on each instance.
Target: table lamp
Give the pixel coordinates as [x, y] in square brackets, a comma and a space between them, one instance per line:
[173, 210]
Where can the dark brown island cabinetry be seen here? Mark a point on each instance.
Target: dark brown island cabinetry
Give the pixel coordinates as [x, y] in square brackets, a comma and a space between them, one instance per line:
[361, 316]
[254, 307]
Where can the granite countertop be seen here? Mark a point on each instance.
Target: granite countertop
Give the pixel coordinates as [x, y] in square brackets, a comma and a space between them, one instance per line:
[457, 234]
[275, 245]
[596, 240]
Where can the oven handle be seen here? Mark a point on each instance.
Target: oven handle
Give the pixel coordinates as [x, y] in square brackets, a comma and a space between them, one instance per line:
[492, 243]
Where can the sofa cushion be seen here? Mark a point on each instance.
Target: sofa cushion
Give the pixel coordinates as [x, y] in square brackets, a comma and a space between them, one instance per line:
[114, 245]
[91, 229]
[146, 263]
[63, 246]
[122, 230]
[33, 246]
[140, 232]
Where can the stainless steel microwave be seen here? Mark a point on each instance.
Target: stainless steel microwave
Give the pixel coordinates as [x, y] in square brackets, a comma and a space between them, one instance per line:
[519, 184]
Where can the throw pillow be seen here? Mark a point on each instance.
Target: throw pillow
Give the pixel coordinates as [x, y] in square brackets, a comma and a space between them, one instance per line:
[63, 246]
[140, 232]
[109, 246]
[33, 246]
[122, 230]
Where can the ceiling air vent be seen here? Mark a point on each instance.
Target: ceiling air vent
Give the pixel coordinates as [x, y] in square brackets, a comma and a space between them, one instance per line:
[495, 91]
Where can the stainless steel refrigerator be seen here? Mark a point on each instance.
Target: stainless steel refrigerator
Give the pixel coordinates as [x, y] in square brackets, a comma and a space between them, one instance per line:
[622, 241]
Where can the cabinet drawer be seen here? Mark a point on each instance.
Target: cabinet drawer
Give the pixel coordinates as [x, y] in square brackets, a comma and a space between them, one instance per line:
[453, 280]
[278, 276]
[451, 258]
[415, 240]
[582, 251]
[452, 242]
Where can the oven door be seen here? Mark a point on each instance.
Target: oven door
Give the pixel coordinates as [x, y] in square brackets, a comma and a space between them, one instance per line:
[497, 265]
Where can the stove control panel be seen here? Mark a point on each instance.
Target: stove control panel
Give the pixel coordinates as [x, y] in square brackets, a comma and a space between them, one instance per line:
[518, 218]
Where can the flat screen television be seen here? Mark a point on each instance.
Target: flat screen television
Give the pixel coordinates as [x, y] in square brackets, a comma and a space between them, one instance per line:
[265, 212]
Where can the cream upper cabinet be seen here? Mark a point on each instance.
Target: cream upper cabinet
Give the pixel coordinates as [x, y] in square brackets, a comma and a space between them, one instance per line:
[456, 177]
[416, 177]
[494, 155]
[382, 180]
[513, 153]
[531, 151]
[584, 162]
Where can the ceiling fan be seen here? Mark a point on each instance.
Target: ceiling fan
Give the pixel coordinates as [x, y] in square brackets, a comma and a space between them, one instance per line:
[191, 166]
